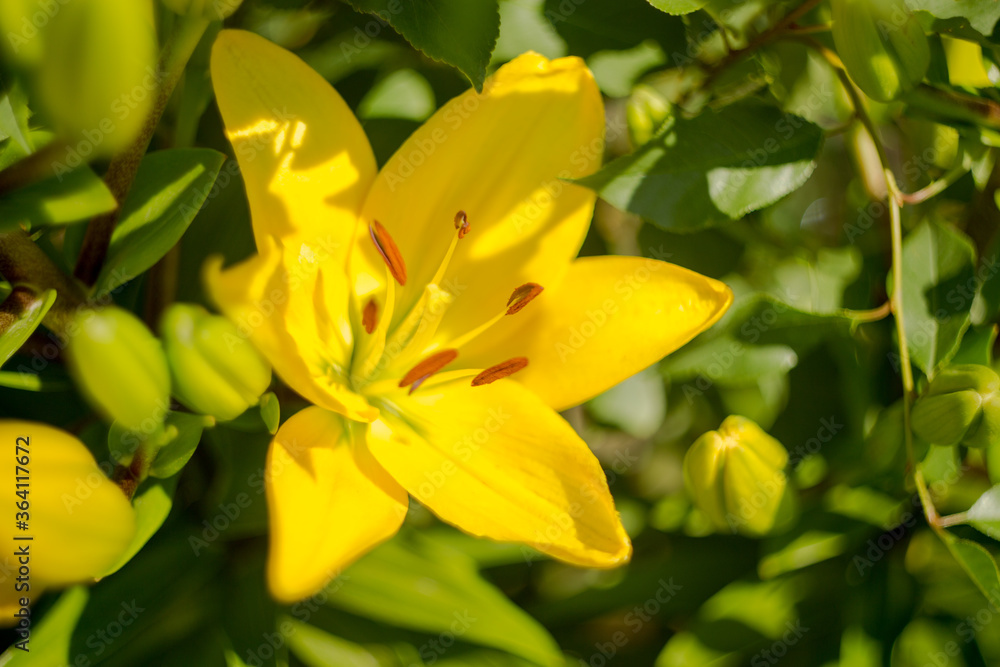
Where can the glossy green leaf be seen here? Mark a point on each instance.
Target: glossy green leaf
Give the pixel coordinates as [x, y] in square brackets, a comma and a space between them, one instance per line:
[461, 33]
[71, 197]
[982, 16]
[590, 27]
[938, 264]
[978, 563]
[25, 318]
[414, 582]
[984, 514]
[169, 190]
[715, 167]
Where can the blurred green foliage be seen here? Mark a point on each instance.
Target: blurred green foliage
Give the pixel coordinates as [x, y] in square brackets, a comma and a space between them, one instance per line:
[737, 146]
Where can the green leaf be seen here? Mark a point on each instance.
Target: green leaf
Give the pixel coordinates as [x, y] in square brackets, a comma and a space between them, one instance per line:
[414, 582]
[168, 192]
[715, 167]
[678, 7]
[270, 412]
[70, 197]
[728, 361]
[175, 454]
[637, 405]
[982, 16]
[461, 33]
[152, 502]
[52, 636]
[589, 27]
[33, 382]
[317, 648]
[977, 346]
[984, 514]
[978, 563]
[14, 116]
[26, 318]
[938, 264]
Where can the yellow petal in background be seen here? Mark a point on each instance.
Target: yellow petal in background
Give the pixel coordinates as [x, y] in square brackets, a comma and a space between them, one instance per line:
[499, 157]
[610, 318]
[329, 502]
[305, 160]
[292, 304]
[80, 522]
[496, 462]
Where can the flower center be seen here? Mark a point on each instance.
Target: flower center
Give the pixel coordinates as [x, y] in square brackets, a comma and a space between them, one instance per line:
[410, 355]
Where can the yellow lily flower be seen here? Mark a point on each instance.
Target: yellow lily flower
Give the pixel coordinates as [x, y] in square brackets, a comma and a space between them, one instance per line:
[398, 301]
[76, 523]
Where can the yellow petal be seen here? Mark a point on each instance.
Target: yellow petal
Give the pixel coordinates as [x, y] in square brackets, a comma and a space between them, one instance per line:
[499, 157]
[329, 502]
[496, 462]
[80, 522]
[305, 160]
[292, 304]
[608, 319]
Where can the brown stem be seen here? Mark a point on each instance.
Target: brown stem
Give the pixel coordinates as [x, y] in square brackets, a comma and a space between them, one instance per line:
[21, 261]
[774, 32]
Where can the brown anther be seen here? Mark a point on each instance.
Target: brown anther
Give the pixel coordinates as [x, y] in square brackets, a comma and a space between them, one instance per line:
[427, 368]
[369, 318]
[389, 251]
[462, 224]
[522, 296]
[501, 370]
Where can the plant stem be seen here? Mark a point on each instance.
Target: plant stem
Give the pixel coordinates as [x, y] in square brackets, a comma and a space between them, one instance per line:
[937, 187]
[123, 167]
[872, 315]
[953, 520]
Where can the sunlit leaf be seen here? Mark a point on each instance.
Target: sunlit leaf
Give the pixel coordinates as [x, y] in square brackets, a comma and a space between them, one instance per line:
[715, 167]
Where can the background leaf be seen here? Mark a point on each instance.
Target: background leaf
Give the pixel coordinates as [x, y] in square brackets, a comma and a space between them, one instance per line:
[461, 33]
[168, 192]
[712, 168]
[938, 263]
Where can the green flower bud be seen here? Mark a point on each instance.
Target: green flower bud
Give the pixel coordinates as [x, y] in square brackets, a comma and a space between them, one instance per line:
[961, 406]
[98, 79]
[215, 371]
[882, 46]
[735, 476]
[119, 365]
[213, 10]
[646, 111]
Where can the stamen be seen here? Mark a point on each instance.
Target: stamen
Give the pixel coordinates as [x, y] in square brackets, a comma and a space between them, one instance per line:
[427, 368]
[501, 370]
[389, 251]
[522, 296]
[462, 224]
[463, 227]
[370, 316]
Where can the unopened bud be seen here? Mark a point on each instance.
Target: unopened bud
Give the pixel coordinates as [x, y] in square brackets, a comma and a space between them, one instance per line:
[735, 476]
[961, 406]
[120, 367]
[215, 371]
